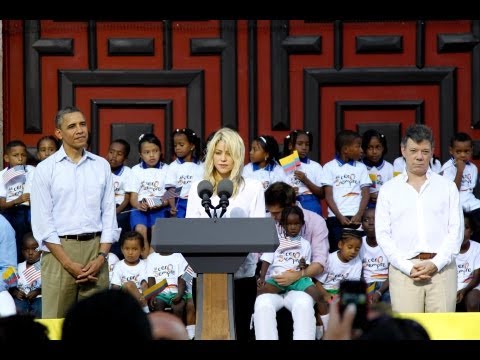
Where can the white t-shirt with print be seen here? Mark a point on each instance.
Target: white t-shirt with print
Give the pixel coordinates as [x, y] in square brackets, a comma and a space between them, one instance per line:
[374, 262]
[347, 181]
[182, 174]
[120, 182]
[337, 271]
[23, 284]
[467, 263]
[267, 175]
[123, 273]
[469, 180]
[288, 259]
[147, 182]
[112, 260]
[168, 267]
[379, 175]
[17, 186]
[314, 172]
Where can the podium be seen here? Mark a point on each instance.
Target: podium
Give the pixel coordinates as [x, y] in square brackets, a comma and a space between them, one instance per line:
[215, 249]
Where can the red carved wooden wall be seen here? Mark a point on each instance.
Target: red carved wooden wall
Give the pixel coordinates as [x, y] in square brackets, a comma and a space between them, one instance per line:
[260, 76]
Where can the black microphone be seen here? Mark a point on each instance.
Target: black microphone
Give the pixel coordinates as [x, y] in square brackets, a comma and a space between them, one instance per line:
[205, 191]
[224, 191]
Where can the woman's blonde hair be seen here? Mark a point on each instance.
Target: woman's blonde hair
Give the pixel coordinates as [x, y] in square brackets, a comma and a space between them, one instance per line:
[235, 146]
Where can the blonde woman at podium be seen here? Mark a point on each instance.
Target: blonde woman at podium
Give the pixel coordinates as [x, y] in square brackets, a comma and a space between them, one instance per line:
[224, 160]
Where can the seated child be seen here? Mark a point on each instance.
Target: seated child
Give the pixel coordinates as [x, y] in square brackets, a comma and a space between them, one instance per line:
[28, 292]
[130, 274]
[343, 264]
[293, 253]
[375, 263]
[468, 272]
[169, 266]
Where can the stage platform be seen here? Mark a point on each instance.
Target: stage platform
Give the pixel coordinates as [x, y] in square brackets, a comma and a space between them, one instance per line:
[440, 326]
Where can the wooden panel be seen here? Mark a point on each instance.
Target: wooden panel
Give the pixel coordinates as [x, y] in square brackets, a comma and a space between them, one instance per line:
[215, 313]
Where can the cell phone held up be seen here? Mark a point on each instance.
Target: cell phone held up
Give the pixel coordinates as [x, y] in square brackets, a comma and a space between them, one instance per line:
[355, 292]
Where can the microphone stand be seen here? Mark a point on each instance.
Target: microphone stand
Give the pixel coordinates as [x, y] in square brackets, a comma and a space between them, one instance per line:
[207, 205]
[223, 204]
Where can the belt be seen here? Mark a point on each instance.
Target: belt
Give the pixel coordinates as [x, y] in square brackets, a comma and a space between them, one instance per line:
[425, 256]
[82, 237]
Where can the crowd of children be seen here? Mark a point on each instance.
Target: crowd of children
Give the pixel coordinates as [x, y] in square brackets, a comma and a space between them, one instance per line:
[153, 189]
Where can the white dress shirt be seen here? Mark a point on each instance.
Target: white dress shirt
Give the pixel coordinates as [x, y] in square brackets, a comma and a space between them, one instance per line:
[408, 222]
[73, 198]
[248, 202]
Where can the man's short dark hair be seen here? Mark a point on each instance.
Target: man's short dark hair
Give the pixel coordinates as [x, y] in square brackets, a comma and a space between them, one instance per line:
[280, 193]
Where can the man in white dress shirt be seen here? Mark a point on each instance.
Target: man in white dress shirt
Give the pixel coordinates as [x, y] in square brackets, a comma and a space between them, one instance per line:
[419, 226]
[73, 217]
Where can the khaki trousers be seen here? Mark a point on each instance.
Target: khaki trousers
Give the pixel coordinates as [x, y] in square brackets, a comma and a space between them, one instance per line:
[439, 294]
[59, 290]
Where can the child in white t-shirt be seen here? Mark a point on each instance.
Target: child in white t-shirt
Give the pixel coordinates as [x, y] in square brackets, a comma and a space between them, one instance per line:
[121, 174]
[347, 186]
[263, 164]
[306, 178]
[15, 183]
[130, 274]
[146, 188]
[464, 173]
[112, 260]
[468, 272]
[184, 170]
[344, 264]
[374, 145]
[169, 266]
[375, 263]
[28, 292]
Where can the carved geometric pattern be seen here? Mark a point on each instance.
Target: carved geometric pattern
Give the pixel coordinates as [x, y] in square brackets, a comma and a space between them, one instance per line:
[282, 46]
[314, 79]
[391, 130]
[303, 44]
[54, 46]
[226, 45]
[130, 46]
[379, 44]
[338, 45]
[252, 80]
[342, 106]
[456, 42]
[92, 45]
[167, 45]
[465, 42]
[192, 80]
[34, 47]
[166, 105]
[420, 44]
